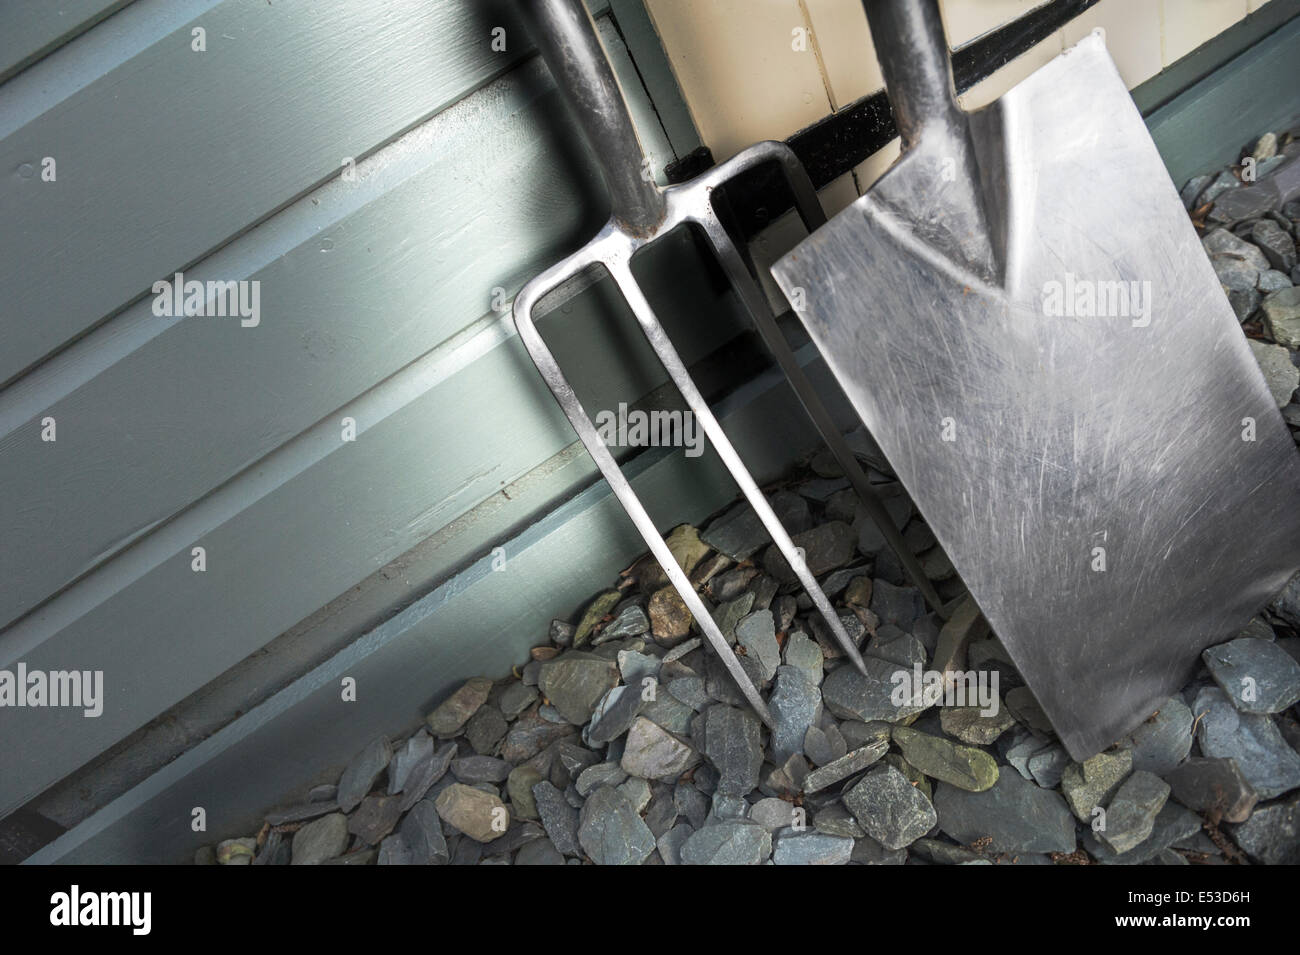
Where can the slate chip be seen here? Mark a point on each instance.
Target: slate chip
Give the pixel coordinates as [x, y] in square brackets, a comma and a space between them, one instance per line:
[1252, 739]
[1256, 675]
[734, 842]
[422, 836]
[575, 682]
[361, 773]
[559, 819]
[889, 808]
[795, 705]
[1213, 786]
[1131, 815]
[1271, 836]
[1014, 814]
[811, 848]
[610, 831]
[651, 752]
[732, 743]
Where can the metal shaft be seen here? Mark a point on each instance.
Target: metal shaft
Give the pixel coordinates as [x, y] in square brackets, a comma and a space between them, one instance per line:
[567, 39]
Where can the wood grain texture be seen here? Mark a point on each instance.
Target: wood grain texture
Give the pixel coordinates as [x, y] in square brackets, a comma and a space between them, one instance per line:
[167, 156]
[30, 29]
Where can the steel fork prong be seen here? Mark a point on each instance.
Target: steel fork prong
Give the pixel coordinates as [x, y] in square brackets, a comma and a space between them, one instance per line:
[564, 394]
[734, 264]
[621, 272]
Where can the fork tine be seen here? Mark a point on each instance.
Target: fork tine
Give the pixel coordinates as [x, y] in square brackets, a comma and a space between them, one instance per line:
[658, 338]
[582, 424]
[732, 261]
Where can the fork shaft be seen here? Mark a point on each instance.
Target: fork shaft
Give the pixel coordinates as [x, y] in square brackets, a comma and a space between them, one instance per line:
[567, 39]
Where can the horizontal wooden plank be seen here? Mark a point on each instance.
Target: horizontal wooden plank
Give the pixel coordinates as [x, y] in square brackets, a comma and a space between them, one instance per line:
[355, 281]
[167, 155]
[477, 623]
[1208, 125]
[29, 29]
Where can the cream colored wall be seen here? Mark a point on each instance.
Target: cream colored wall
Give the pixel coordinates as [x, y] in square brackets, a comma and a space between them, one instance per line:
[744, 80]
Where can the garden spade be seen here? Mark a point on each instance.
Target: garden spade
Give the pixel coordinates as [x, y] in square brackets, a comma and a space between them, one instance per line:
[1022, 315]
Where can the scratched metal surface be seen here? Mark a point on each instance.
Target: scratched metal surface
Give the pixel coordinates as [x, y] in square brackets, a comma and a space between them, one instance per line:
[1071, 433]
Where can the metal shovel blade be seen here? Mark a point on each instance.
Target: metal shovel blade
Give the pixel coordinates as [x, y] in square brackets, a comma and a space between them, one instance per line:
[1051, 367]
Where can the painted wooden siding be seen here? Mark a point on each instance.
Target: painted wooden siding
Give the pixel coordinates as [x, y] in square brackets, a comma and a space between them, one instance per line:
[376, 304]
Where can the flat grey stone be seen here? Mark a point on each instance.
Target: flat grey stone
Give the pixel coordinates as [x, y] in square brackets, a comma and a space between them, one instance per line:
[732, 743]
[889, 808]
[516, 698]
[739, 533]
[1213, 786]
[669, 712]
[1164, 740]
[426, 773]
[575, 682]
[670, 843]
[362, 772]
[1173, 824]
[1021, 704]
[756, 632]
[896, 605]
[480, 769]
[320, 839]
[1220, 184]
[539, 852]
[406, 758]
[729, 614]
[301, 812]
[393, 851]
[868, 851]
[691, 691]
[1256, 675]
[825, 548]
[851, 696]
[836, 820]
[1271, 836]
[454, 712]
[610, 831]
[795, 705]
[1131, 815]
[1090, 784]
[1252, 739]
[637, 792]
[844, 767]
[485, 729]
[1047, 766]
[1282, 316]
[897, 646]
[614, 714]
[734, 842]
[1278, 247]
[811, 848]
[531, 734]
[772, 813]
[804, 654]
[635, 666]
[1015, 815]
[559, 819]
[819, 748]
[630, 622]
[651, 752]
[691, 804]
[600, 774]
[421, 834]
